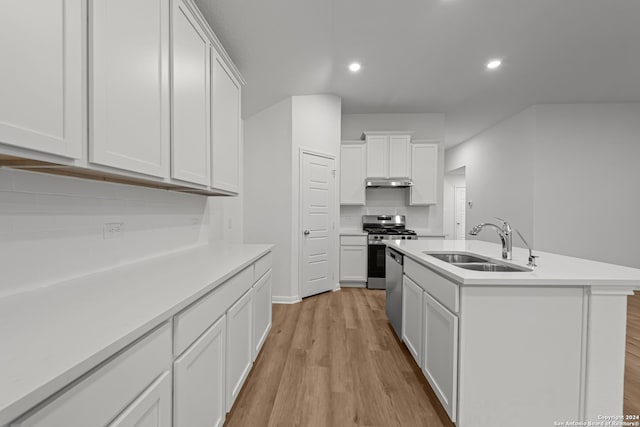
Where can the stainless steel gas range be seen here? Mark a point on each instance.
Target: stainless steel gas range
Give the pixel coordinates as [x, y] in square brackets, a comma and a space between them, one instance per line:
[380, 228]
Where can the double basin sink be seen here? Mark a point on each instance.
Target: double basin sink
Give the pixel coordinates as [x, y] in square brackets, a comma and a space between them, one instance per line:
[476, 262]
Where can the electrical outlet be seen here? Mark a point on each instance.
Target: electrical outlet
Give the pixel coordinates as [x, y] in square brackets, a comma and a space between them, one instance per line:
[230, 224]
[113, 230]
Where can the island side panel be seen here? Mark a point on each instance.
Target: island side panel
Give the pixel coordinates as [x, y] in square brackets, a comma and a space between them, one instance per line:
[520, 355]
[606, 341]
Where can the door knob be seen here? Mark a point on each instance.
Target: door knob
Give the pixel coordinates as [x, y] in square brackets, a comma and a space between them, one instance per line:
[306, 232]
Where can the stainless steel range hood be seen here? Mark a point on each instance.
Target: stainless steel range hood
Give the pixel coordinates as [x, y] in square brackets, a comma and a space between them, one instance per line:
[389, 183]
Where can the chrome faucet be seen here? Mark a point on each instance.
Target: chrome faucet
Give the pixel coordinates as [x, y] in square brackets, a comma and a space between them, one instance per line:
[504, 233]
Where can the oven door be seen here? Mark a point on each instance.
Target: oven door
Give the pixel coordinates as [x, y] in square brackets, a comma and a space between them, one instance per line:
[376, 266]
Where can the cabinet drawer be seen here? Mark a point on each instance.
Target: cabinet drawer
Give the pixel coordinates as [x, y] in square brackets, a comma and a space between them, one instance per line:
[195, 319]
[103, 394]
[353, 240]
[262, 266]
[443, 290]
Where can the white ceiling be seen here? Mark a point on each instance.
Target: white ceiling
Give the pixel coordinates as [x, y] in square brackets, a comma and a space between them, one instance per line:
[428, 56]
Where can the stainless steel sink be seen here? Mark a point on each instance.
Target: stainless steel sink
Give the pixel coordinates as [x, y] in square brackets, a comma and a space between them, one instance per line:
[454, 258]
[476, 262]
[490, 266]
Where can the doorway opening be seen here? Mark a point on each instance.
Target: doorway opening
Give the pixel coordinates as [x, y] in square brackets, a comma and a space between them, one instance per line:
[455, 203]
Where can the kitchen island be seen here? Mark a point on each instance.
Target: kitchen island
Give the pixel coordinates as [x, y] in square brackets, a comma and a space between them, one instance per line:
[526, 348]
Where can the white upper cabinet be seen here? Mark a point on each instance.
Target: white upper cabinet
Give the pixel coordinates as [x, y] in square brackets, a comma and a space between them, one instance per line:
[399, 156]
[191, 77]
[377, 156]
[388, 155]
[42, 75]
[424, 174]
[129, 85]
[353, 173]
[225, 128]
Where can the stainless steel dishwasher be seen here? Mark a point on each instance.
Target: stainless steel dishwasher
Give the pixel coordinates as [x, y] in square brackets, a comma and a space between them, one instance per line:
[393, 280]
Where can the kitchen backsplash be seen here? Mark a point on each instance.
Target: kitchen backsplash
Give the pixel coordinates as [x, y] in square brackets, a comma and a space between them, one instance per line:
[52, 227]
[391, 201]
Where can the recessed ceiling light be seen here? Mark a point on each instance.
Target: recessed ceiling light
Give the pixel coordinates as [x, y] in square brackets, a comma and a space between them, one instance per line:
[493, 64]
[354, 67]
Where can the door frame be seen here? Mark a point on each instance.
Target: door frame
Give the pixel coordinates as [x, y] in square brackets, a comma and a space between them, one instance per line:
[334, 214]
[455, 209]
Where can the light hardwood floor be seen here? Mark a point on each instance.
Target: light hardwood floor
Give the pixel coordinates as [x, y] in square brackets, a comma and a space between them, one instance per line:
[632, 363]
[333, 360]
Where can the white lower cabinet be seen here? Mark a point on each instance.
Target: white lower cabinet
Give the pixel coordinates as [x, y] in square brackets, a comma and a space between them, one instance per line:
[199, 380]
[440, 355]
[412, 318]
[151, 409]
[261, 312]
[239, 346]
[353, 258]
[113, 388]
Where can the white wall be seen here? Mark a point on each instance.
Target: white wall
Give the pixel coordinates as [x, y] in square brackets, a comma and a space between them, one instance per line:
[427, 127]
[315, 127]
[499, 174]
[267, 189]
[51, 227]
[587, 178]
[565, 175]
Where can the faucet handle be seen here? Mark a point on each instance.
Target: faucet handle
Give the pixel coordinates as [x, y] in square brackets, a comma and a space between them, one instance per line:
[505, 224]
[532, 261]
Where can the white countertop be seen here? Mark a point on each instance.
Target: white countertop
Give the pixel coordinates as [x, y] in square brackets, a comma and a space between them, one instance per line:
[552, 269]
[53, 335]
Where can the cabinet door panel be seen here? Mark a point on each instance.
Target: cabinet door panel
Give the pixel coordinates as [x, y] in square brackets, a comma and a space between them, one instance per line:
[353, 173]
[262, 312]
[377, 156]
[225, 128]
[399, 156]
[440, 361]
[239, 346]
[191, 61]
[353, 263]
[129, 85]
[424, 174]
[199, 381]
[412, 318]
[151, 409]
[41, 80]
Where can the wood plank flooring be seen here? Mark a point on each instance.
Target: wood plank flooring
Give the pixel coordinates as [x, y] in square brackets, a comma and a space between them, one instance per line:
[632, 363]
[333, 360]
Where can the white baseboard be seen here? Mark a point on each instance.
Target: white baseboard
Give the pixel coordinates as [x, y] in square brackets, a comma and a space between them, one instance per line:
[353, 284]
[275, 299]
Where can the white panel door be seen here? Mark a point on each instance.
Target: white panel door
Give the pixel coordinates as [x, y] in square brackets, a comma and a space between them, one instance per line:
[151, 409]
[460, 207]
[41, 75]
[191, 62]
[199, 380]
[225, 128]
[353, 173]
[399, 156]
[317, 210]
[261, 312]
[412, 318]
[440, 358]
[377, 156]
[129, 81]
[239, 346]
[424, 174]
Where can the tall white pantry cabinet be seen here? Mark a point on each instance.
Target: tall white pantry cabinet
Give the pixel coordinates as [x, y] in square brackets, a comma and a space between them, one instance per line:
[150, 81]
